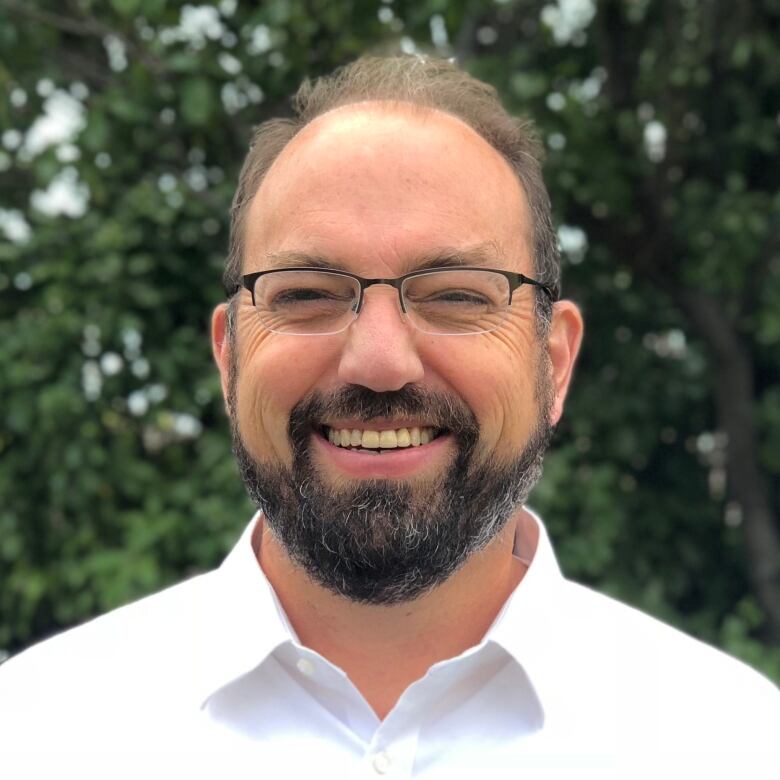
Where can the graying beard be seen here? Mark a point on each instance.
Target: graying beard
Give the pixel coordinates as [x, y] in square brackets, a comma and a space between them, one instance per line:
[343, 575]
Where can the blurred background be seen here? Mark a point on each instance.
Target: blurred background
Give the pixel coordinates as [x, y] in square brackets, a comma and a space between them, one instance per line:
[123, 124]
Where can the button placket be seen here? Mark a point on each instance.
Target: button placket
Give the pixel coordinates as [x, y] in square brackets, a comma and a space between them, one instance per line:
[394, 746]
[382, 763]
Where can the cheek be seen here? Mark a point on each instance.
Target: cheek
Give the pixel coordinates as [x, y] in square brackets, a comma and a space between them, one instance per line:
[496, 375]
[274, 373]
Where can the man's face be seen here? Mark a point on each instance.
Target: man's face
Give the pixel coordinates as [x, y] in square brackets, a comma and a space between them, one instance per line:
[379, 192]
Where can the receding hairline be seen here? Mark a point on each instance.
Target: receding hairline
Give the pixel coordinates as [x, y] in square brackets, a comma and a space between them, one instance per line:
[420, 86]
[389, 108]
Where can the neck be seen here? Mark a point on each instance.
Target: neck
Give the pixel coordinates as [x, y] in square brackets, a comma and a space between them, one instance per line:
[384, 649]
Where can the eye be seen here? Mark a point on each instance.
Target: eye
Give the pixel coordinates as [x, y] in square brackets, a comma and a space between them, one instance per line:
[456, 297]
[302, 294]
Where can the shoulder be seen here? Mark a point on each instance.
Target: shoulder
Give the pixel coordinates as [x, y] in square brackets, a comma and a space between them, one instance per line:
[656, 644]
[691, 693]
[134, 654]
[124, 630]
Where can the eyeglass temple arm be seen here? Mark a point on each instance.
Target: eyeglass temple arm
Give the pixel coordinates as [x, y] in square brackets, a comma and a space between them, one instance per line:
[520, 279]
[245, 283]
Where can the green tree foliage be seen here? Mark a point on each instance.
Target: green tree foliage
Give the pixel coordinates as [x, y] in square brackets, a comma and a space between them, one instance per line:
[661, 121]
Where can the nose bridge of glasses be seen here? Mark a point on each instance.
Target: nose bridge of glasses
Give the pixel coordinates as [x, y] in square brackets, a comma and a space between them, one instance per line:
[394, 283]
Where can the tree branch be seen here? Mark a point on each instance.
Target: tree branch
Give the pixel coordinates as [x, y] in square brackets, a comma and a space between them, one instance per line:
[651, 252]
[747, 485]
[85, 27]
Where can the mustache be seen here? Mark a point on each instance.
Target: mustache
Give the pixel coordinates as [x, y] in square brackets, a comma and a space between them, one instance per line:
[358, 402]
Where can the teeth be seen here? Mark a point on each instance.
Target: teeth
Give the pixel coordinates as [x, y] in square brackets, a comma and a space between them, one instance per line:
[370, 440]
[388, 440]
[385, 440]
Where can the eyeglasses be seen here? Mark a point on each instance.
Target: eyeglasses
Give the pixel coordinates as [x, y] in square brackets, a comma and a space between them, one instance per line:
[441, 301]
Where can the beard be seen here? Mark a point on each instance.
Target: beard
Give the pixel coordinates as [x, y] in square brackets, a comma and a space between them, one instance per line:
[383, 541]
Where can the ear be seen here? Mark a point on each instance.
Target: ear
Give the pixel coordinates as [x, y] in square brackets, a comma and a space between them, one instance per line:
[563, 346]
[221, 346]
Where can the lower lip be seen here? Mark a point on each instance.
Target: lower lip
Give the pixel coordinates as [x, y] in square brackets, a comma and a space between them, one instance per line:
[387, 464]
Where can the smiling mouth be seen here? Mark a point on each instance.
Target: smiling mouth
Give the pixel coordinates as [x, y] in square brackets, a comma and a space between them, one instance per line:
[378, 441]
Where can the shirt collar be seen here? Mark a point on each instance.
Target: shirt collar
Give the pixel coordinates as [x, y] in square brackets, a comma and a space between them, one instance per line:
[241, 621]
[537, 626]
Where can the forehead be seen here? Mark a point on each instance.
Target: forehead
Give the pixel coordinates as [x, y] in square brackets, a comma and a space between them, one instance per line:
[377, 185]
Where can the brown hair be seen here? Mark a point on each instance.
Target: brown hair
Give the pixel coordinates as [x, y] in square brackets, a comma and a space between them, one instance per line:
[422, 81]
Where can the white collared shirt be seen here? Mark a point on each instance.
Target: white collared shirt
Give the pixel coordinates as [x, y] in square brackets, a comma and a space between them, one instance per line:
[207, 679]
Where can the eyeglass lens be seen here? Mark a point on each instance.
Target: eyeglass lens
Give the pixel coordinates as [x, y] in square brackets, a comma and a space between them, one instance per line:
[457, 301]
[450, 302]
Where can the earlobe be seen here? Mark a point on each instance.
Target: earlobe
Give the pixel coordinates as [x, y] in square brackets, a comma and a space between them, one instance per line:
[563, 346]
[221, 345]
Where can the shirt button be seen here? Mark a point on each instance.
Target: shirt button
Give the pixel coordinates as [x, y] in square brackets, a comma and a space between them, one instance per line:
[381, 763]
[305, 666]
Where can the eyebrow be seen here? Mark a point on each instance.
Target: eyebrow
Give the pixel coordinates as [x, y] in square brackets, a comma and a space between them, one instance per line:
[275, 260]
[484, 254]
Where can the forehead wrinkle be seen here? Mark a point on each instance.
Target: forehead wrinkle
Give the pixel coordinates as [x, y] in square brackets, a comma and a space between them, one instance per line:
[486, 253]
[355, 123]
[361, 120]
[294, 259]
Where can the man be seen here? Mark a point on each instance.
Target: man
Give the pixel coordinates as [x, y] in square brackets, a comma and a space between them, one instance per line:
[393, 357]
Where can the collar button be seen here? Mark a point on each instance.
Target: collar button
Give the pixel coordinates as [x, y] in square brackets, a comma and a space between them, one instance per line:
[381, 763]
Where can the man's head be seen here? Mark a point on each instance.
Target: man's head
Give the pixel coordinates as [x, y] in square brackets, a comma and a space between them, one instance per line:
[393, 166]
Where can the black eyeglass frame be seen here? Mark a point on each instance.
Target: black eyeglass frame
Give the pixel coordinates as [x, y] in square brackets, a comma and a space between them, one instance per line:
[515, 280]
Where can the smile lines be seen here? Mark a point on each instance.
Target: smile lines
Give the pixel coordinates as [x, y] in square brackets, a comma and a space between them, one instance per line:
[383, 440]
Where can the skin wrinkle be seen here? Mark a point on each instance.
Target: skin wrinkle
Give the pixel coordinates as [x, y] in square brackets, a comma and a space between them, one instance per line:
[363, 113]
[485, 478]
[487, 253]
[254, 337]
[422, 95]
[415, 580]
[312, 177]
[388, 557]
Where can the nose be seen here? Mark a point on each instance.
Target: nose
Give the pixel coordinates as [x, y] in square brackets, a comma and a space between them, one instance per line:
[380, 352]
